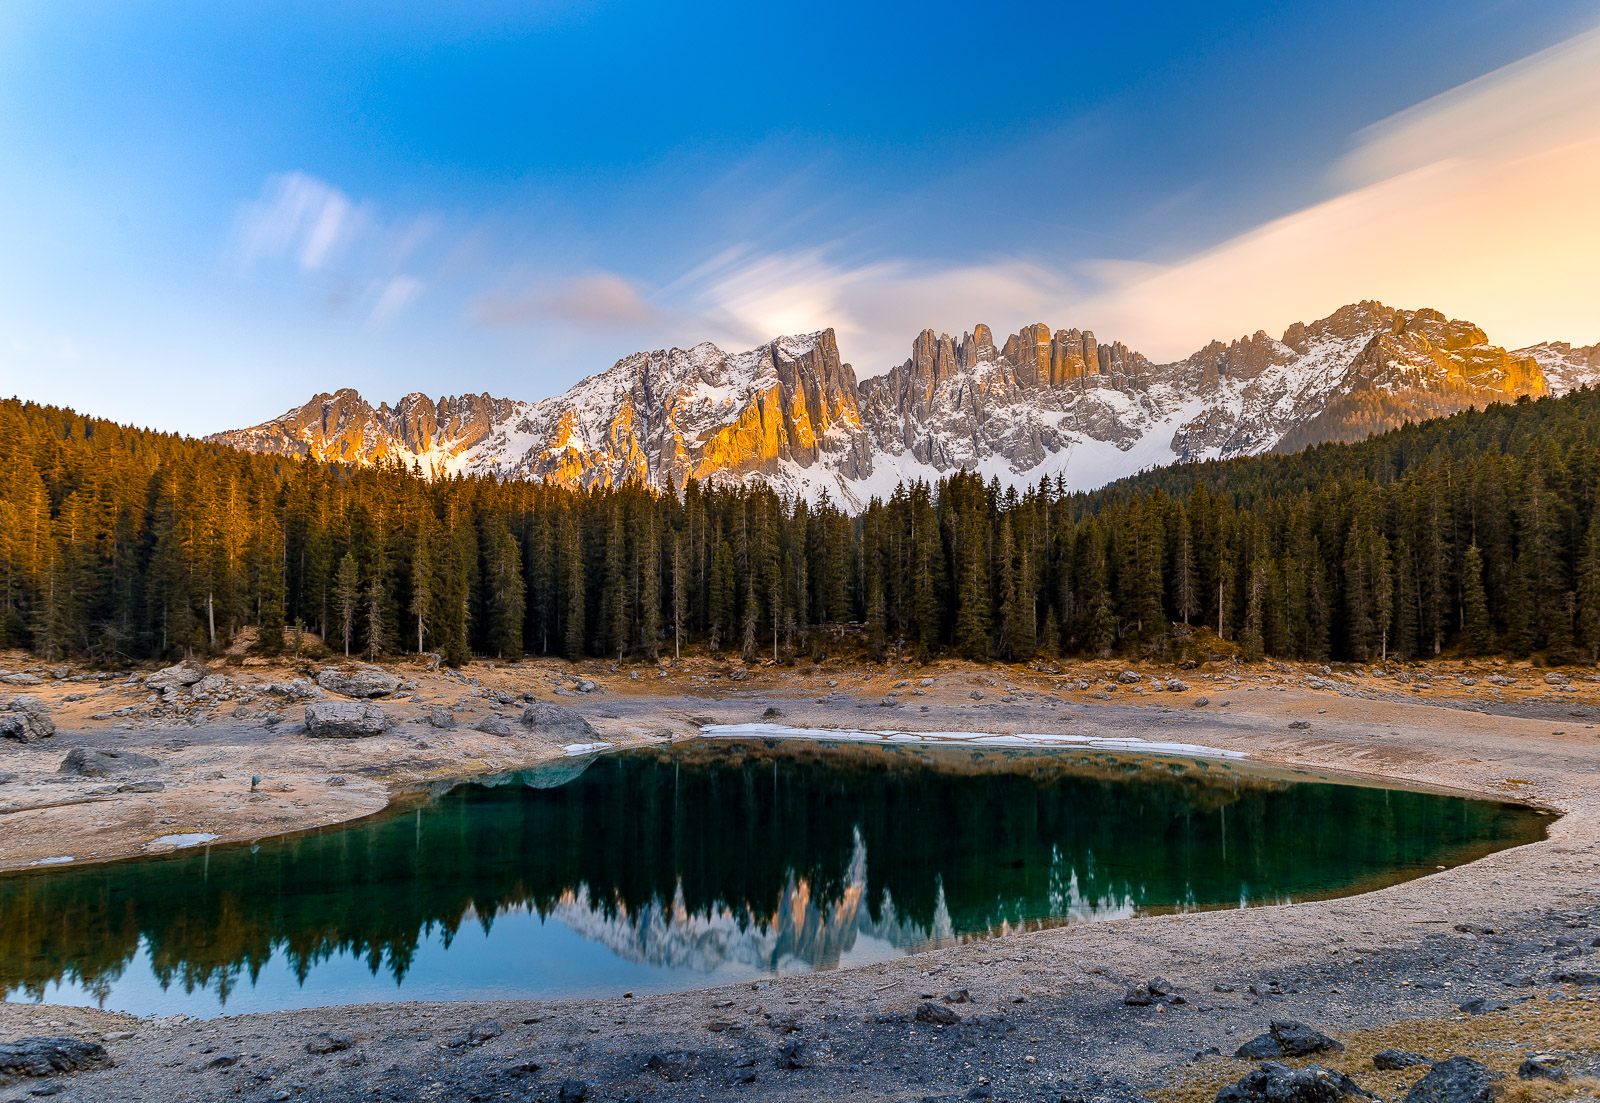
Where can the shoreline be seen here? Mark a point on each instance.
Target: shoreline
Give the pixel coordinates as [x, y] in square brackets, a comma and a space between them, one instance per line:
[1350, 963]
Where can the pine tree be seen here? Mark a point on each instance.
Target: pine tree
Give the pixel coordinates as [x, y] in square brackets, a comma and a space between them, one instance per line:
[1475, 630]
[347, 590]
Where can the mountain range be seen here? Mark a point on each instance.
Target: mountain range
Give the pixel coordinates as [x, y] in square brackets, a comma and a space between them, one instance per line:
[1043, 403]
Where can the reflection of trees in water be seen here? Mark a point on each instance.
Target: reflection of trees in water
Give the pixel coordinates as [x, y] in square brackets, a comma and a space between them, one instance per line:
[706, 853]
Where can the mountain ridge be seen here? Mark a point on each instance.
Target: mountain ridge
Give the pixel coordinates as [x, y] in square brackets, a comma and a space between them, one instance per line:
[1044, 403]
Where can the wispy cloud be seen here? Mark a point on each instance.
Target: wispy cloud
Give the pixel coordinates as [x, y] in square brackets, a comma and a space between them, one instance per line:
[594, 300]
[300, 218]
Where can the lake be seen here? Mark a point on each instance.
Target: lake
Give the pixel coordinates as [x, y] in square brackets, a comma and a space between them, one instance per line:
[711, 861]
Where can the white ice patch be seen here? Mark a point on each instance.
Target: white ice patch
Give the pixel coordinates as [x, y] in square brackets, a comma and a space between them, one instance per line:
[972, 739]
[585, 748]
[193, 838]
[63, 860]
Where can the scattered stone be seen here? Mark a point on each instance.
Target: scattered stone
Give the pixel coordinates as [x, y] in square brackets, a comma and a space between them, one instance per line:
[1300, 724]
[225, 1061]
[84, 762]
[572, 1091]
[1201, 702]
[976, 695]
[1482, 1006]
[926, 682]
[49, 1056]
[22, 680]
[1275, 1083]
[958, 995]
[1287, 1039]
[586, 685]
[441, 717]
[1176, 685]
[337, 781]
[358, 683]
[937, 1015]
[211, 683]
[344, 720]
[555, 722]
[1389, 1060]
[1500, 680]
[1456, 1080]
[738, 674]
[1129, 677]
[493, 725]
[142, 787]
[672, 1067]
[485, 1031]
[328, 1042]
[772, 714]
[793, 1056]
[1554, 679]
[1541, 1066]
[1583, 978]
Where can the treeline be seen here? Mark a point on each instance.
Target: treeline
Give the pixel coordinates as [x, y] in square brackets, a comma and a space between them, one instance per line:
[1475, 533]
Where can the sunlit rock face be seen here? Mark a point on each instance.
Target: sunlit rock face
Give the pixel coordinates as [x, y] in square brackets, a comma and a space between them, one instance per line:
[1044, 403]
[1566, 367]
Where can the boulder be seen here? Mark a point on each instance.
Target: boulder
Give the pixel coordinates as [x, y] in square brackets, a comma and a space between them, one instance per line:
[493, 725]
[1481, 1006]
[1176, 685]
[441, 717]
[50, 1056]
[184, 674]
[86, 762]
[1129, 677]
[555, 722]
[1554, 679]
[1541, 1066]
[211, 683]
[26, 720]
[1275, 1083]
[22, 680]
[1201, 702]
[1287, 1039]
[1457, 1080]
[300, 689]
[1500, 680]
[358, 683]
[344, 720]
[572, 1091]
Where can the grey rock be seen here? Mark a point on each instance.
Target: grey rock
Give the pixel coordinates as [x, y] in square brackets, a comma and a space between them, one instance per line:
[329, 1042]
[792, 1055]
[586, 685]
[1129, 677]
[211, 683]
[84, 762]
[738, 674]
[225, 1061]
[1554, 679]
[1500, 680]
[183, 674]
[1389, 1060]
[936, 1014]
[344, 720]
[49, 1056]
[672, 1067]
[1201, 702]
[957, 995]
[1456, 1080]
[22, 680]
[1541, 1067]
[1285, 1038]
[441, 717]
[142, 787]
[1275, 1083]
[358, 683]
[555, 722]
[1482, 1006]
[1300, 724]
[493, 725]
[483, 1032]
[1176, 685]
[300, 689]
[1583, 978]
[26, 720]
[572, 1091]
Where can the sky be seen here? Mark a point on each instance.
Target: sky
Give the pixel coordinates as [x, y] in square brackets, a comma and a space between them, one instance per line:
[210, 212]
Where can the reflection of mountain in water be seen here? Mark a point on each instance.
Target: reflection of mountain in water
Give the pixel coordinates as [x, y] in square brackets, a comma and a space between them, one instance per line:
[702, 854]
[803, 929]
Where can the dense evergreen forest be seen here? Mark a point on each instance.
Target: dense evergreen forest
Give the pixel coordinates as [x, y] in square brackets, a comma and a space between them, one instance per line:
[1475, 534]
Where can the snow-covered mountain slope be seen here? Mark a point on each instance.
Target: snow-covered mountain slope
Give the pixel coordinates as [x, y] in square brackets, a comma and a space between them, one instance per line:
[1566, 367]
[1045, 403]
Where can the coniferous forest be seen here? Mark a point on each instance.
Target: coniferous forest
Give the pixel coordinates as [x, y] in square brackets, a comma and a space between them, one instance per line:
[1475, 534]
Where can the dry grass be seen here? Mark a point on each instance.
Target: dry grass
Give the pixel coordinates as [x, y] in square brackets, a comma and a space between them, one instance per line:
[1500, 1040]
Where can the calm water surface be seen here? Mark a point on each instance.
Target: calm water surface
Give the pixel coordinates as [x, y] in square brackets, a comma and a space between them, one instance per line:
[707, 862]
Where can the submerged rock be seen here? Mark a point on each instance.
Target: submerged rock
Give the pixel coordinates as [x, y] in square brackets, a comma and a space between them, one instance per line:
[344, 720]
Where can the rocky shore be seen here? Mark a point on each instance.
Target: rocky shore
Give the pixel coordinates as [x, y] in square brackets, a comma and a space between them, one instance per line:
[1492, 961]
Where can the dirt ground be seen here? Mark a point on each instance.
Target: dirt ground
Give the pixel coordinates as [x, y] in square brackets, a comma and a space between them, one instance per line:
[1047, 1019]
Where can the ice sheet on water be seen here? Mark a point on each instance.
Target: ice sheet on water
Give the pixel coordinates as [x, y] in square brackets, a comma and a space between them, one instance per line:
[192, 838]
[972, 739]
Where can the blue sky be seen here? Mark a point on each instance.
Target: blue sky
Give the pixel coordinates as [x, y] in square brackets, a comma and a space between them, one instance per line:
[210, 211]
